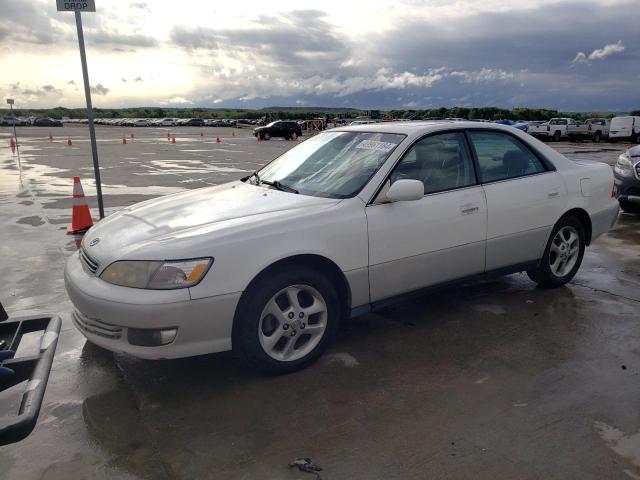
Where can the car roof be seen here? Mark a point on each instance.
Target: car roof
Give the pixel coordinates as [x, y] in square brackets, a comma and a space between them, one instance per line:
[420, 127]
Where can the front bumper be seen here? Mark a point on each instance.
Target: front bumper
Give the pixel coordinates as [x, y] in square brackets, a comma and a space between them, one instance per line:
[627, 188]
[103, 313]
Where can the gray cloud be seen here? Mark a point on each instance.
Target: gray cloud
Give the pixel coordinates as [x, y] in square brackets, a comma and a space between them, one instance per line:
[37, 91]
[140, 6]
[102, 37]
[99, 89]
[27, 22]
[138, 80]
[301, 39]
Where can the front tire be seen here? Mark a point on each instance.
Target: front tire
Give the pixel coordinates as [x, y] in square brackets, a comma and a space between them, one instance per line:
[562, 255]
[266, 136]
[285, 321]
[556, 136]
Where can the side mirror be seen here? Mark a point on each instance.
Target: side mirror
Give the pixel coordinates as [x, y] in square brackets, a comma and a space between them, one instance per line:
[405, 190]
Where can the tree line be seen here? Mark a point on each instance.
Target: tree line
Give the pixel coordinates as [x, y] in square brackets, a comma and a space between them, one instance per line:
[473, 113]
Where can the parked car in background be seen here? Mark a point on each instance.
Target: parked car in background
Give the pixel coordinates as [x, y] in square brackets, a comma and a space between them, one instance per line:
[345, 222]
[191, 122]
[362, 122]
[557, 128]
[140, 122]
[594, 129]
[521, 125]
[280, 128]
[627, 180]
[538, 129]
[47, 122]
[625, 128]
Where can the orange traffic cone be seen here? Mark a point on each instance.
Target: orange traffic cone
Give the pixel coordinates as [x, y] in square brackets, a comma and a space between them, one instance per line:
[81, 216]
[69, 142]
[257, 137]
[124, 140]
[50, 137]
[218, 140]
[169, 136]
[12, 145]
[173, 139]
[294, 137]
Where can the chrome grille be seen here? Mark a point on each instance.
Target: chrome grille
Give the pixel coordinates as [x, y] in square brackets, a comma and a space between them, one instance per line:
[91, 264]
[96, 327]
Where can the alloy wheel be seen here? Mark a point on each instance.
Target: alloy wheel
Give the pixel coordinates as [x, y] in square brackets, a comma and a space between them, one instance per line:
[292, 323]
[564, 251]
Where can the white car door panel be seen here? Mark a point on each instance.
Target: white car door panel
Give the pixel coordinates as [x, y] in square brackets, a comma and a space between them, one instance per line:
[437, 238]
[522, 212]
[521, 209]
[421, 243]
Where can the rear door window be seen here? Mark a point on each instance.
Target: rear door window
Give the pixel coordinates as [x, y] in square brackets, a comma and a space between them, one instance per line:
[501, 156]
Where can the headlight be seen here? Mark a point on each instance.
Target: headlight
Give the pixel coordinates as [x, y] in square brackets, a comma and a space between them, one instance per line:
[157, 275]
[624, 167]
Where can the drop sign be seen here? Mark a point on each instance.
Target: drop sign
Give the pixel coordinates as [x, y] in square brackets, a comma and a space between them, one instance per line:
[76, 5]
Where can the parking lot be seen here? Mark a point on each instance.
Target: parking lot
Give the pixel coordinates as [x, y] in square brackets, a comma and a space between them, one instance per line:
[497, 378]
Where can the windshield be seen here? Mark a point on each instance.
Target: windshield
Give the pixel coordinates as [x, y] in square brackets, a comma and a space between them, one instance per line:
[332, 164]
[273, 123]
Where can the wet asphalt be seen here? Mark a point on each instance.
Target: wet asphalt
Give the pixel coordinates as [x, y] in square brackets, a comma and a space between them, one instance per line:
[487, 380]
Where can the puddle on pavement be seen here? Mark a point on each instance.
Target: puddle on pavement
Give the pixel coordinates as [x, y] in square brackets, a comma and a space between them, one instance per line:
[34, 221]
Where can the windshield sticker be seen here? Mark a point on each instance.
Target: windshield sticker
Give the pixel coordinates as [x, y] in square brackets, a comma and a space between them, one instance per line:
[374, 145]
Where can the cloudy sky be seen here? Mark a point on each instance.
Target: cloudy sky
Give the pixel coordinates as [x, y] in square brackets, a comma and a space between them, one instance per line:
[570, 55]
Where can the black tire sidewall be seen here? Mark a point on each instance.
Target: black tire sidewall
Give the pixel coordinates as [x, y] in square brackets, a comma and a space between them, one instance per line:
[629, 207]
[545, 276]
[246, 342]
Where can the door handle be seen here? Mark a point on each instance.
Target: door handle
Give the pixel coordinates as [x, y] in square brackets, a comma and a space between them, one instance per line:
[469, 209]
[555, 193]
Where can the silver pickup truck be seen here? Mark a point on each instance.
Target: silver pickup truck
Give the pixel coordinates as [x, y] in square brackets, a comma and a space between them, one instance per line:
[594, 129]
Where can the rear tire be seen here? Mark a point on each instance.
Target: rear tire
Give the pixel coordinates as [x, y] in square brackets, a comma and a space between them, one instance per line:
[286, 320]
[562, 256]
[596, 137]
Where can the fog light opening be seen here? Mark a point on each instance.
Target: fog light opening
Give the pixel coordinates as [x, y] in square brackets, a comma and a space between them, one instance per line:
[145, 337]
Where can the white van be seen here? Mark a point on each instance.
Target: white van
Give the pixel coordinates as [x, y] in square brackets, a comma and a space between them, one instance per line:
[625, 127]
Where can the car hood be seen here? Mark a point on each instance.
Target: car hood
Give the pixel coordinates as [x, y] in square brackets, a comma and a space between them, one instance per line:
[187, 213]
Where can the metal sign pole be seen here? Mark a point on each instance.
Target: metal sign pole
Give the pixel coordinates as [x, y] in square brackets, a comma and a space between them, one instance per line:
[13, 117]
[92, 130]
[15, 134]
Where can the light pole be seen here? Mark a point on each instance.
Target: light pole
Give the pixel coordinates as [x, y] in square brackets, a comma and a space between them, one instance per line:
[13, 118]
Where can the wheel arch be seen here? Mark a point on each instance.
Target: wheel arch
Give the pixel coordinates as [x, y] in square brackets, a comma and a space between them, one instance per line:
[584, 218]
[309, 261]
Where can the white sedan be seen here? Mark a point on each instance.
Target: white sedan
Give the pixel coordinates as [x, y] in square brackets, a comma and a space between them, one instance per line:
[343, 223]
